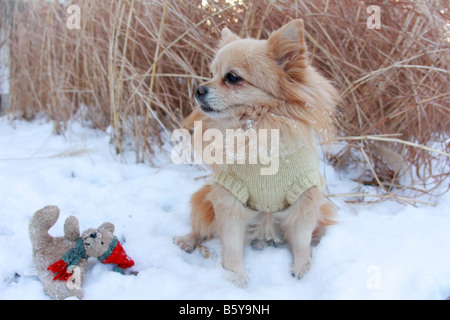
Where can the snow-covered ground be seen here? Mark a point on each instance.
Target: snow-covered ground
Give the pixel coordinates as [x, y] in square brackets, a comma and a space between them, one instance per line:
[380, 251]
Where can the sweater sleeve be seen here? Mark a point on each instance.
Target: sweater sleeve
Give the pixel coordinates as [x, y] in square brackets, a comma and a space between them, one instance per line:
[312, 179]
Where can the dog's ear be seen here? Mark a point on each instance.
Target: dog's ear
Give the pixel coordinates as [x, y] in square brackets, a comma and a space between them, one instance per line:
[227, 37]
[287, 45]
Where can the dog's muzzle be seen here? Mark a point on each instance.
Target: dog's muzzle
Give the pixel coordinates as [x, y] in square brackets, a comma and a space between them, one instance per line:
[200, 95]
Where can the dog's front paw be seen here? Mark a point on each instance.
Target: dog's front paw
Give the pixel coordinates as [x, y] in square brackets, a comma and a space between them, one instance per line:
[187, 243]
[239, 279]
[299, 269]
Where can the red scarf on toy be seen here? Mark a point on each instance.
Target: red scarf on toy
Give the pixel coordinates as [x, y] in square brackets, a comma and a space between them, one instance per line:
[114, 254]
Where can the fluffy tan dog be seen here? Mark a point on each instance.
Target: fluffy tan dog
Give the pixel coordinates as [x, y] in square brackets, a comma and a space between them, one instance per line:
[264, 84]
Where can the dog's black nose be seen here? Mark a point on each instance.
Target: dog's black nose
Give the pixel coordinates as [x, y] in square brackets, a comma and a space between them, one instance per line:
[201, 92]
[93, 235]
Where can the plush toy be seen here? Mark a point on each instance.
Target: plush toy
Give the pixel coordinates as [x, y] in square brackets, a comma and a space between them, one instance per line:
[61, 261]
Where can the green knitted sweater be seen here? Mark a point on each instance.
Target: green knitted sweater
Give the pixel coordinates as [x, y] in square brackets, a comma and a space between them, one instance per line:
[297, 172]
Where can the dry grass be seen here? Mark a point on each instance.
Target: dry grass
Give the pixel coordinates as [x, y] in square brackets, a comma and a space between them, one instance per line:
[134, 65]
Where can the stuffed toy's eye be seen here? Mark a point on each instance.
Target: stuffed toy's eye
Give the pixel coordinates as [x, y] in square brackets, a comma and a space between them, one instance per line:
[232, 78]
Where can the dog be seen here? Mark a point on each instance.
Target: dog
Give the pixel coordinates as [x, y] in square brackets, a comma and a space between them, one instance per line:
[264, 84]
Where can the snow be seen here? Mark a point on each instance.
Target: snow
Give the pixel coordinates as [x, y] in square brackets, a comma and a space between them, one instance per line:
[379, 251]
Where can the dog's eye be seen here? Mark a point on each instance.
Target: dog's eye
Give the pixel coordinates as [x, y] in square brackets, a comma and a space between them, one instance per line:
[232, 78]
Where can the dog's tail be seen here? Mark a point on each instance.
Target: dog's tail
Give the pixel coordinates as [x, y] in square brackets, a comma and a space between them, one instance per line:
[327, 215]
[39, 225]
[202, 214]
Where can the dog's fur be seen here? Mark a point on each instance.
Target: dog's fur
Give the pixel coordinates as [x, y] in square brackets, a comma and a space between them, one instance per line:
[276, 88]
